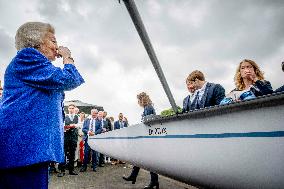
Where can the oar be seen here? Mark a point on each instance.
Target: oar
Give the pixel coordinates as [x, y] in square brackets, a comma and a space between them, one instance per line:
[135, 16]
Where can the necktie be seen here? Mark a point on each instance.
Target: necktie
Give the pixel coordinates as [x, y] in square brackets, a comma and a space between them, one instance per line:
[197, 100]
[92, 125]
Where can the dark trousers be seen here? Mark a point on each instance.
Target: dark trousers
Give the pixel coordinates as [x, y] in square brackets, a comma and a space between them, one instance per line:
[135, 171]
[69, 150]
[87, 152]
[101, 159]
[29, 177]
[154, 177]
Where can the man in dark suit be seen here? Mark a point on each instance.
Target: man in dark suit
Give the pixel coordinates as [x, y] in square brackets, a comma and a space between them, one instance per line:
[187, 100]
[206, 94]
[119, 124]
[106, 124]
[70, 140]
[91, 127]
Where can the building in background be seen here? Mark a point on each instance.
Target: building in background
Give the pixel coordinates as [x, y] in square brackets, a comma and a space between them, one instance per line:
[83, 107]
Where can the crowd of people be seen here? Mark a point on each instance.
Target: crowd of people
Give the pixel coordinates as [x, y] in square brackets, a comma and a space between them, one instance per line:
[77, 129]
[34, 93]
[97, 122]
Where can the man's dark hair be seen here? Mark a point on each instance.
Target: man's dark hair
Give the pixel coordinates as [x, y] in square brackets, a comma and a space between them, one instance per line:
[72, 105]
[195, 75]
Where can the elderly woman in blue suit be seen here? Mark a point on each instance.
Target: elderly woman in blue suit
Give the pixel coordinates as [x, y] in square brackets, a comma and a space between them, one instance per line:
[145, 102]
[31, 111]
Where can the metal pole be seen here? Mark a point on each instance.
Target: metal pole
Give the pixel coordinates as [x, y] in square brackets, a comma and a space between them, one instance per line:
[135, 16]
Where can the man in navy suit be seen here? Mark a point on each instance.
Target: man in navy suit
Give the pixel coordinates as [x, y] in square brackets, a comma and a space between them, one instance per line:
[187, 100]
[119, 124]
[91, 127]
[206, 94]
[106, 121]
[70, 140]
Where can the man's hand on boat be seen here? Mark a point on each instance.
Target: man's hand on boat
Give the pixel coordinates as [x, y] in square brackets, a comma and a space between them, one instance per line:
[104, 130]
[91, 133]
[67, 127]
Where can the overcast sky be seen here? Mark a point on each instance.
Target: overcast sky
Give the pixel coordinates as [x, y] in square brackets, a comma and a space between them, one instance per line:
[211, 36]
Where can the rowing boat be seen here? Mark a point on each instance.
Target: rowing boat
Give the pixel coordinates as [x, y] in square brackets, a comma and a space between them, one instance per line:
[239, 145]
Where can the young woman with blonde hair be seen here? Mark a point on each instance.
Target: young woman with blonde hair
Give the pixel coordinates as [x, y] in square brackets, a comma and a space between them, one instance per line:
[145, 102]
[249, 81]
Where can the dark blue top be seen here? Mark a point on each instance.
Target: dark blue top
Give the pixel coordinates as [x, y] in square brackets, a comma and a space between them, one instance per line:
[148, 110]
[261, 88]
[280, 89]
[31, 117]
[186, 104]
[117, 125]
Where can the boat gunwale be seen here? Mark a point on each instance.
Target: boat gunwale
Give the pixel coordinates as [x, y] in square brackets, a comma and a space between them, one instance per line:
[275, 99]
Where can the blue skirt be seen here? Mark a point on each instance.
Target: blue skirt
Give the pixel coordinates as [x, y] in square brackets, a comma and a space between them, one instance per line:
[32, 177]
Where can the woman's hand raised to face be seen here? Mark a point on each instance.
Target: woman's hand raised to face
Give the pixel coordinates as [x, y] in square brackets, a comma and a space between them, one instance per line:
[65, 53]
[252, 77]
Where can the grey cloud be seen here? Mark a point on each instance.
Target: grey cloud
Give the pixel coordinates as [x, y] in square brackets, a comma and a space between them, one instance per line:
[244, 27]
[50, 9]
[212, 36]
[106, 25]
[233, 31]
[7, 43]
[7, 51]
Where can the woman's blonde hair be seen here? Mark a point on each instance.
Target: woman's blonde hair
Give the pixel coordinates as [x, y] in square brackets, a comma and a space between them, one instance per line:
[31, 34]
[239, 82]
[144, 99]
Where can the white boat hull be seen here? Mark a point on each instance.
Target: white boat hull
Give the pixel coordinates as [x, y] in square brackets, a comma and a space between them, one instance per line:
[240, 149]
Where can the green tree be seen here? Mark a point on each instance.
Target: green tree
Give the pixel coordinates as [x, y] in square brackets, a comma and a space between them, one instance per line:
[169, 112]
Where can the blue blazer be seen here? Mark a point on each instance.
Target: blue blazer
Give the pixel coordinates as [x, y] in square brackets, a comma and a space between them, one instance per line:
[148, 110]
[186, 104]
[117, 126]
[31, 116]
[213, 95]
[86, 128]
[262, 88]
[280, 89]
